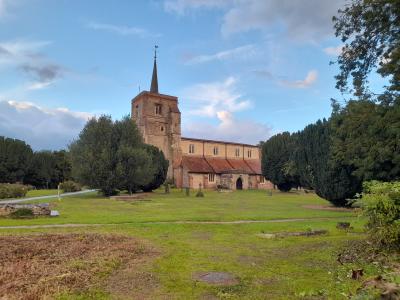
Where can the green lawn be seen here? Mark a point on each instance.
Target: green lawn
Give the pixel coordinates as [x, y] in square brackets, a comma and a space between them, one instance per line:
[281, 268]
[37, 193]
[241, 205]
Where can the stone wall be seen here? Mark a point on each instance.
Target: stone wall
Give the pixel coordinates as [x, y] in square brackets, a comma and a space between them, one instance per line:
[37, 209]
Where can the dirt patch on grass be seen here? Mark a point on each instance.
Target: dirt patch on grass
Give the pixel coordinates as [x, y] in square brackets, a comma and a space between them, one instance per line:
[202, 235]
[216, 278]
[133, 197]
[40, 266]
[330, 208]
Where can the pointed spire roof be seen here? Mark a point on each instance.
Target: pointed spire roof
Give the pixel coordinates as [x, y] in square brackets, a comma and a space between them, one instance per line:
[154, 79]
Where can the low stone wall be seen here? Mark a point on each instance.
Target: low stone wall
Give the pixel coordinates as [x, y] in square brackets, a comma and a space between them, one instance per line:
[41, 209]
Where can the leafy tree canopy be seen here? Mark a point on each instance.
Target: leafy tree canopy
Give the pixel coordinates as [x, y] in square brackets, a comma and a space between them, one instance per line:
[111, 156]
[370, 30]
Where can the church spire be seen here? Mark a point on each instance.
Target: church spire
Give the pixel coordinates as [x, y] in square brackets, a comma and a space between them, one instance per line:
[154, 79]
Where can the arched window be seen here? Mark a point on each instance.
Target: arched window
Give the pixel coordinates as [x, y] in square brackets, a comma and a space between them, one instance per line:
[191, 148]
[215, 151]
[237, 152]
[158, 109]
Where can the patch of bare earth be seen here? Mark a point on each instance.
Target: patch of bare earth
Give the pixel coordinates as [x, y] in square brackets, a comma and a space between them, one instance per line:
[41, 266]
[330, 208]
[216, 278]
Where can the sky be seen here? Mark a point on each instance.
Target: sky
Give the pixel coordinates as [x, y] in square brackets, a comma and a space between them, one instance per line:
[243, 70]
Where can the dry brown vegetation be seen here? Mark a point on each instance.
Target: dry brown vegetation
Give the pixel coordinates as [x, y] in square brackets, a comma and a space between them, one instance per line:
[36, 266]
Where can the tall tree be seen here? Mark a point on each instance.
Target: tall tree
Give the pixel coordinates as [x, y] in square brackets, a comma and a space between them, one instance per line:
[15, 157]
[370, 30]
[93, 155]
[276, 161]
[42, 170]
[111, 156]
[330, 179]
[160, 171]
[134, 166]
[366, 138]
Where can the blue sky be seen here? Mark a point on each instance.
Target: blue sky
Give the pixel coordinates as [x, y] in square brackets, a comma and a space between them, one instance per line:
[243, 69]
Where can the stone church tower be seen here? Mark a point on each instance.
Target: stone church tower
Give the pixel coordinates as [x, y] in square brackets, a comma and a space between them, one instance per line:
[159, 120]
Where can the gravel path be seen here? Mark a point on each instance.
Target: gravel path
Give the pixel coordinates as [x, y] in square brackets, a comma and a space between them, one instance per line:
[12, 201]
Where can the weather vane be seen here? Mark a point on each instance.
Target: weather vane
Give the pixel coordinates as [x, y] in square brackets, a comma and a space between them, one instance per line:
[155, 51]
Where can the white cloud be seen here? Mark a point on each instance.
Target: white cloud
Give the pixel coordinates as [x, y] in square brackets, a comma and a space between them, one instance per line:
[210, 98]
[229, 129]
[121, 30]
[19, 51]
[2, 7]
[5, 6]
[298, 17]
[42, 128]
[181, 6]
[334, 51]
[24, 56]
[220, 100]
[39, 85]
[241, 52]
[310, 79]
[307, 21]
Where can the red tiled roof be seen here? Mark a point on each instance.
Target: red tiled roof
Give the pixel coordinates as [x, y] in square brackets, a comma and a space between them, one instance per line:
[220, 165]
[196, 164]
[240, 164]
[255, 165]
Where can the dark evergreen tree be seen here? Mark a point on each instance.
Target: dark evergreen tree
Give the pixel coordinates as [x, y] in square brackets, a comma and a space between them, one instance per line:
[160, 172]
[15, 156]
[366, 138]
[42, 170]
[93, 155]
[277, 165]
[111, 156]
[313, 157]
[63, 166]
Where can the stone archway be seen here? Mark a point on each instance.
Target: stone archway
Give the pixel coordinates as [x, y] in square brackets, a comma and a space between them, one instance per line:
[239, 184]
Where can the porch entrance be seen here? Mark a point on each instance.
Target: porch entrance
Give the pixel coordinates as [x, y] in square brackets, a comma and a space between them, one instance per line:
[239, 184]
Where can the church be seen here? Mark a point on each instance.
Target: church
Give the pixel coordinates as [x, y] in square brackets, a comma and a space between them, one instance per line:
[194, 162]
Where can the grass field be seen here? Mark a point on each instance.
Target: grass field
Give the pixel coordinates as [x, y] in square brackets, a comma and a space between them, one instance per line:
[37, 193]
[277, 268]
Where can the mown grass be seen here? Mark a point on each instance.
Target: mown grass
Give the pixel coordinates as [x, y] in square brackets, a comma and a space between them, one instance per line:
[242, 205]
[279, 268]
[37, 193]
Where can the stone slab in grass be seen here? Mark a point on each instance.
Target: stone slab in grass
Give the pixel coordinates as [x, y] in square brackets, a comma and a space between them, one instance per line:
[216, 278]
[289, 234]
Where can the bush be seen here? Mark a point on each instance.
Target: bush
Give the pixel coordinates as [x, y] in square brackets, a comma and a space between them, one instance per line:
[22, 213]
[70, 186]
[381, 204]
[200, 194]
[16, 190]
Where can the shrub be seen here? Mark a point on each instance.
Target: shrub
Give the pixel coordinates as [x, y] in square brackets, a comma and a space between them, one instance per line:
[15, 190]
[381, 204]
[70, 186]
[200, 194]
[22, 213]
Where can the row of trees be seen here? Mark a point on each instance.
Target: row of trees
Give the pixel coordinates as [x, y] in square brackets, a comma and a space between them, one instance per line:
[112, 156]
[42, 169]
[361, 139]
[109, 156]
[359, 142]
